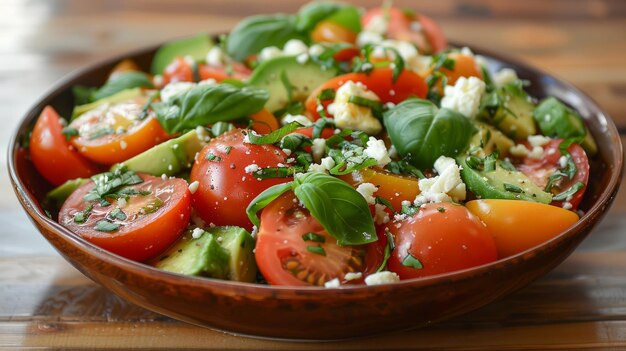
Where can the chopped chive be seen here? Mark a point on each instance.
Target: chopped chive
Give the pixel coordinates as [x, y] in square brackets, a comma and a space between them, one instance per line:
[69, 132]
[441, 209]
[313, 237]
[512, 188]
[212, 157]
[410, 261]
[81, 217]
[117, 213]
[106, 226]
[383, 201]
[316, 249]
[569, 192]
[326, 94]
[101, 132]
[227, 150]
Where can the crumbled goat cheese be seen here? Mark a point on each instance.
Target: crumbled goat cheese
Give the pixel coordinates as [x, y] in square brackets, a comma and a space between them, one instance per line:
[464, 96]
[377, 150]
[295, 47]
[518, 150]
[466, 51]
[567, 205]
[318, 148]
[121, 202]
[367, 190]
[562, 161]
[175, 88]
[349, 115]
[251, 168]
[504, 77]
[316, 168]
[536, 153]
[216, 57]
[269, 53]
[353, 276]
[445, 187]
[333, 283]
[384, 277]
[538, 140]
[193, 187]
[302, 119]
[123, 145]
[380, 214]
[328, 162]
[197, 232]
[316, 50]
[302, 58]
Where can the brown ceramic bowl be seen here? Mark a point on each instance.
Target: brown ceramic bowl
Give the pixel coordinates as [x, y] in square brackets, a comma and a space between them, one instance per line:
[318, 313]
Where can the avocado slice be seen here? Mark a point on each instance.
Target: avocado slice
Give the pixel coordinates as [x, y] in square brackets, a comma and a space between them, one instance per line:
[57, 196]
[201, 256]
[197, 47]
[220, 252]
[122, 96]
[557, 120]
[170, 157]
[501, 183]
[510, 110]
[303, 78]
[489, 139]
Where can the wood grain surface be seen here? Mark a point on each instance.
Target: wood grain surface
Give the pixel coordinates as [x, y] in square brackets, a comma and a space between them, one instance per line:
[47, 304]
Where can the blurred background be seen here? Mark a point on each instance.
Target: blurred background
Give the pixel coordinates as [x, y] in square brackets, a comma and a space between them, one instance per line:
[580, 41]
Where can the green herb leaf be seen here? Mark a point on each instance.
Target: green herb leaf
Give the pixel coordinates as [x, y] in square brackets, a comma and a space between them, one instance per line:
[81, 217]
[314, 237]
[106, 226]
[117, 213]
[208, 104]
[123, 81]
[387, 252]
[569, 192]
[69, 132]
[316, 249]
[265, 198]
[220, 128]
[410, 261]
[417, 128]
[295, 141]
[195, 47]
[274, 136]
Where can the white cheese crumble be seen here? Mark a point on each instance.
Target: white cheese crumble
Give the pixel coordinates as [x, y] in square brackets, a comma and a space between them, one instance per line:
[121, 202]
[302, 119]
[316, 168]
[504, 77]
[175, 88]
[367, 190]
[562, 161]
[251, 168]
[384, 277]
[536, 153]
[295, 47]
[538, 140]
[123, 145]
[377, 150]
[302, 58]
[318, 148]
[197, 232]
[216, 57]
[464, 96]
[445, 187]
[518, 150]
[380, 214]
[333, 283]
[353, 276]
[316, 50]
[349, 115]
[328, 162]
[193, 187]
[567, 205]
[268, 53]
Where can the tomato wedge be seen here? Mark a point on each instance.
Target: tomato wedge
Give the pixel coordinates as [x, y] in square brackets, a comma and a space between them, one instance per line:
[110, 134]
[181, 71]
[150, 221]
[53, 156]
[379, 81]
[508, 221]
[293, 248]
[440, 238]
[540, 170]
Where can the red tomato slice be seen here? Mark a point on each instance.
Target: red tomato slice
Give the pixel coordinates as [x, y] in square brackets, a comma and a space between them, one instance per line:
[442, 237]
[540, 170]
[284, 257]
[53, 156]
[181, 71]
[330, 32]
[379, 81]
[225, 188]
[112, 134]
[153, 222]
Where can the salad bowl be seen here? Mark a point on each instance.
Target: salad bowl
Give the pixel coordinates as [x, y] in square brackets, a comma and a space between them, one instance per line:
[309, 313]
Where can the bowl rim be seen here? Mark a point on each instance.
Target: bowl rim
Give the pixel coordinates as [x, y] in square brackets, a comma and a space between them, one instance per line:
[37, 214]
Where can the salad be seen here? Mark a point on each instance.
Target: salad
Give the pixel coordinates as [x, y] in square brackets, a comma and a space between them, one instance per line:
[329, 147]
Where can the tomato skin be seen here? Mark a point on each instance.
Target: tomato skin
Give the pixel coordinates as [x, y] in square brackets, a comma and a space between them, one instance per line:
[264, 122]
[434, 34]
[464, 66]
[379, 81]
[330, 32]
[143, 237]
[177, 71]
[508, 221]
[55, 159]
[393, 187]
[181, 71]
[225, 189]
[444, 237]
[539, 170]
[280, 246]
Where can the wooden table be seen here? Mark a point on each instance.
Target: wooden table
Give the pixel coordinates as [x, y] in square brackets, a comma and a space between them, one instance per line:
[45, 303]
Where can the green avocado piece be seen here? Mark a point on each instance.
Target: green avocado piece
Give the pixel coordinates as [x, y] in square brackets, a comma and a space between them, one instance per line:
[510, 110]
[122, 96]
[557, 120]
[57, 196]
[501, 183]
[303, 78]
[170, 157]
[219, 252]
[196, 256]
[197, 47]
[489, 139]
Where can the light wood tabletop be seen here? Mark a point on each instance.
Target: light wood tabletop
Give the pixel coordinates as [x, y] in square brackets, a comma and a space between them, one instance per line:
[47, 304]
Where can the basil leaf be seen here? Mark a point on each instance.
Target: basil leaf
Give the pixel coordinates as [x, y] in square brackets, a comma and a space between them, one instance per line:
[106, 226]
[274, 136]
[557, 120]
[569, 192]
[265, 198]
[83, 95]
[208, 104]
[417, 128]
[347, 17]
[123, 81]
[254, 33]
[312, 13]
[411, 261]
[341, 210]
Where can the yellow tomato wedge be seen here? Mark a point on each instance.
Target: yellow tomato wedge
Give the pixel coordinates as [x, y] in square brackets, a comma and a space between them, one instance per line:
[393, 187]
[518, 225]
